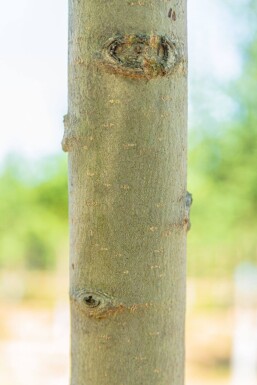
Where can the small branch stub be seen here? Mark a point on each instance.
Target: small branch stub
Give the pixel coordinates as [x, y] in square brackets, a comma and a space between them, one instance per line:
[141, 56]
[189, 201]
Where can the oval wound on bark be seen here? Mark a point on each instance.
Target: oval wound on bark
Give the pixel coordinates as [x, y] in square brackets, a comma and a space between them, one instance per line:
[94, 303]
[141, 56]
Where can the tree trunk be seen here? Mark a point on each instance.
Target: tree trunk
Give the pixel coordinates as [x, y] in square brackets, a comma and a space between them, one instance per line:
[125, 132]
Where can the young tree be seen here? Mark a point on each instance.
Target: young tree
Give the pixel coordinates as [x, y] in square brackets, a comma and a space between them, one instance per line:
[125, 132]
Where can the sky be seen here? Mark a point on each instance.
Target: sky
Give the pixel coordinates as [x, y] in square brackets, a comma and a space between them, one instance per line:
[33, 66]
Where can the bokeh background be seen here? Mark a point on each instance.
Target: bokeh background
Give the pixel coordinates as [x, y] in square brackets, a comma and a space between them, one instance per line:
[222, 176]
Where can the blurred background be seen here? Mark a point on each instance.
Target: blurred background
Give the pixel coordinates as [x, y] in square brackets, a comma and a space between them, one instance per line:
[222, 176]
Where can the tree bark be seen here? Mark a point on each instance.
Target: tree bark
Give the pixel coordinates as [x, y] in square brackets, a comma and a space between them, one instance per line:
[125, 132]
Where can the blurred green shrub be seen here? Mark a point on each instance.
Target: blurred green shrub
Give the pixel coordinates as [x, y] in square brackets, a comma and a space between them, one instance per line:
[33, 210]
[223, 179]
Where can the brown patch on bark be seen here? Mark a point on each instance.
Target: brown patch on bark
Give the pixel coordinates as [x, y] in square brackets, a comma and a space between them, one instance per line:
[172, 14]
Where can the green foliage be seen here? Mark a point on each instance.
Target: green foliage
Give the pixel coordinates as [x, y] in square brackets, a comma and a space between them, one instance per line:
[223, 180]
[33, 208]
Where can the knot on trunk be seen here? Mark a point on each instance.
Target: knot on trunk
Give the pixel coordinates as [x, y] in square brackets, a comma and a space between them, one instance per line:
[142, 56]
[95, 304]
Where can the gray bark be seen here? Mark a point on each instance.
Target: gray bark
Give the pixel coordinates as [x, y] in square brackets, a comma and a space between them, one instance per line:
[125, 132]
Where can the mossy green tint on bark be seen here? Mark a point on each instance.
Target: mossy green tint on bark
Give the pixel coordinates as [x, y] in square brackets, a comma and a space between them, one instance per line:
[125, 132]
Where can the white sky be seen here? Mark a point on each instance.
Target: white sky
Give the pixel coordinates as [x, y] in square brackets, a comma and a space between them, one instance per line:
[33, 41]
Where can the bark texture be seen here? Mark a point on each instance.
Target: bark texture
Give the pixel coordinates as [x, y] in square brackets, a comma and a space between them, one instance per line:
[125, 132]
